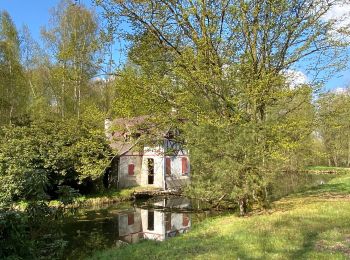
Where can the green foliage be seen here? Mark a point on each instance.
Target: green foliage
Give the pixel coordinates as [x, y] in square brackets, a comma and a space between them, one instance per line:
[334, 128]
[223, 66]
[134, 95]
[36, 159]
[66, 194]
[74, 48]
[13, 86]
[32, 234]
[13, 234]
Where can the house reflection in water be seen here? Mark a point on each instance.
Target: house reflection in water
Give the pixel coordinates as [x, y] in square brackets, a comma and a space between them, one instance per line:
[154, 224]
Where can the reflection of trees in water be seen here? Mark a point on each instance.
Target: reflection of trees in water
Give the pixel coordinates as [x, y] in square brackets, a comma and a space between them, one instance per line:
[289, 182]
[86, 237]
[88, 243]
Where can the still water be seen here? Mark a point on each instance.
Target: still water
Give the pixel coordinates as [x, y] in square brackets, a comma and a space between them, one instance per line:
[89, 230]
[287, 183]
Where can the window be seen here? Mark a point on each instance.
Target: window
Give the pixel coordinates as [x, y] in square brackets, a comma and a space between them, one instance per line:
[130, 219]
[150, 220]
[184, 166]
[168, 166]
[131, 169]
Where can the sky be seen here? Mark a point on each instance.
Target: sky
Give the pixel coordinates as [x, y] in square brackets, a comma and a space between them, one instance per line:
[36, 13]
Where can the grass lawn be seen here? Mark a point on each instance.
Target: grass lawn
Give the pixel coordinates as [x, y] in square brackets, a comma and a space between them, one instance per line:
[314, 224]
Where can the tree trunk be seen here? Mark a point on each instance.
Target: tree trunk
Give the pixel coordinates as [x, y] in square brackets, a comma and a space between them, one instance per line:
[63, 89]
[10, 115]
[243, 206]
[335, 160]
[348, 161]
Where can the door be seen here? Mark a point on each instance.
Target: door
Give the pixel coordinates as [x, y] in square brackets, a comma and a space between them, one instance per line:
[150, 163]
[150, 220]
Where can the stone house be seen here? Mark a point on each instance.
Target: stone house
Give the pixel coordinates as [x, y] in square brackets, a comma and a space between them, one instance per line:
[145, 155]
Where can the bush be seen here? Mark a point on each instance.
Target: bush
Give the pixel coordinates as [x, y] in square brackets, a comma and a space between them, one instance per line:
[36, 159]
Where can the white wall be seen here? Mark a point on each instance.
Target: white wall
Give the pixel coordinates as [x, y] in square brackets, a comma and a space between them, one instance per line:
[158, 154]
[176, 165]
[126, 180]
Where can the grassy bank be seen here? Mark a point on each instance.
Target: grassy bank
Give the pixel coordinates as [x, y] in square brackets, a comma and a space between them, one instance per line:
[106, 197]
[327, 169]
[110, 196]
[314, 224]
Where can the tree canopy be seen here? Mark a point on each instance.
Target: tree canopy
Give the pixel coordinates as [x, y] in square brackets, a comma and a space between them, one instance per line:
[223, 65]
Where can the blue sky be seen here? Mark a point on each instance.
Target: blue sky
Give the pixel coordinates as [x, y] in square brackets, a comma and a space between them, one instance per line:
[35, 14]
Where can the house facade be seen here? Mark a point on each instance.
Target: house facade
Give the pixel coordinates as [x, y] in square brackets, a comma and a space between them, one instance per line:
[164, 164]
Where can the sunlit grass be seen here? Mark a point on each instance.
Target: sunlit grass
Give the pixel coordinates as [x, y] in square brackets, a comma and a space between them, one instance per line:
[313, 224]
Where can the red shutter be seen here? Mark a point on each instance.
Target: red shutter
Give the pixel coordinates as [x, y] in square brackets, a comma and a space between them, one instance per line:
[130, 219]
[184, 166]
[131, 169]
[185, 219]
[168, 166]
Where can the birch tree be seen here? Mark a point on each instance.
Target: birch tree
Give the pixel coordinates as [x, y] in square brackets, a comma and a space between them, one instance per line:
[74, 46]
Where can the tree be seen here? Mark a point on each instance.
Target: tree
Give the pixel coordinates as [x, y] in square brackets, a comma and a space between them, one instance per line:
[132, 97]
[334, 127]
[226, 64]
[74, 44]
[37, 159]
[13, 86]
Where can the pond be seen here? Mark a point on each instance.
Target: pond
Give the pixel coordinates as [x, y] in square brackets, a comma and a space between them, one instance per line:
[287, 183]
[91, 229]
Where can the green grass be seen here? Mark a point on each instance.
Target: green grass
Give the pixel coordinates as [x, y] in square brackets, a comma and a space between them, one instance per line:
[327, 168]
[313, 224]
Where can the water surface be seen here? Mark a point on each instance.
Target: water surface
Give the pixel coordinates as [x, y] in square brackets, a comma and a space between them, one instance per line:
[89, 230]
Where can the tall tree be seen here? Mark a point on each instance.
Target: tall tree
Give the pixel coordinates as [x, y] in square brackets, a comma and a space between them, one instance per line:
[73, 39]
[225, 62]
[13, 87]
[334, 127]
